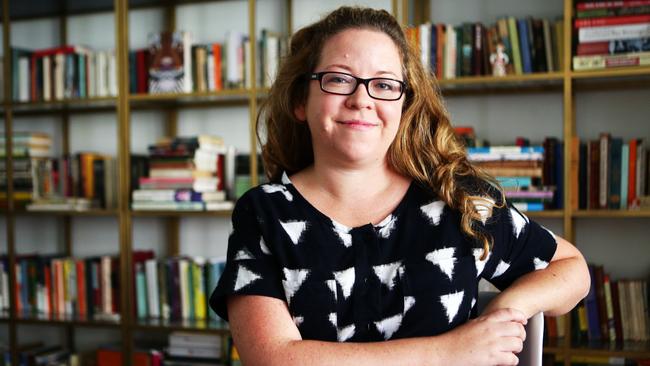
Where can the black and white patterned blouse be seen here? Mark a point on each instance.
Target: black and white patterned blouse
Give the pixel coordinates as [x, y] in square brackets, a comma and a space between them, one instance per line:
[414, 274]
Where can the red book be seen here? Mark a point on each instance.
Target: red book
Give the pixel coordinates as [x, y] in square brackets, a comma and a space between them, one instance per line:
[141, 71]
[615, 20]
[82, 307]
[593, 48]
[440, 46]
[47, 274]
[631, 181]
[218, 76]
[612, 4]
[112, 357]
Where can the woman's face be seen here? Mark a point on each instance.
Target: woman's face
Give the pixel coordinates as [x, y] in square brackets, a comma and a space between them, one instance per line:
[354, 130]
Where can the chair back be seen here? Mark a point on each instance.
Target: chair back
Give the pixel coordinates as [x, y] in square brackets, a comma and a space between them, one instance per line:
[531, 355]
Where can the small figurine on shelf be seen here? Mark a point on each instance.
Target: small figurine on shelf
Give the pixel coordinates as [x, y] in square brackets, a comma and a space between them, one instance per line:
[499, 60]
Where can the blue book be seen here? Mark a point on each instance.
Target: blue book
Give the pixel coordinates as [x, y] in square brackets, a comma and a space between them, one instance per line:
[625, 171]
[434, 49]
[591, 306]
[515, 182]
[558, 197]
[528, 206]
[506, 150]
[141, 291]
[524, 46]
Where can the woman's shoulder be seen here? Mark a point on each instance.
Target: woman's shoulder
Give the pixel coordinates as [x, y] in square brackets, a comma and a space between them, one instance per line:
[266, 196]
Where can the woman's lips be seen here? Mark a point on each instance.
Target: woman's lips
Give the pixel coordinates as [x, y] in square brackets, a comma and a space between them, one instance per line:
[358, 124]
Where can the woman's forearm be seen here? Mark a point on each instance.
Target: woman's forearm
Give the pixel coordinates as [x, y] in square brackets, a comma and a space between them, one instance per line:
[554, 290]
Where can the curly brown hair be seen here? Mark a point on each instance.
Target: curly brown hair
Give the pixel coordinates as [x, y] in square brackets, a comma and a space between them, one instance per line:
[425, 148]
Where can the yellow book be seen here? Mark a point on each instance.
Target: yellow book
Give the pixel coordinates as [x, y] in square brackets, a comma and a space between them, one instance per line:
[514, 40]
[199, 289]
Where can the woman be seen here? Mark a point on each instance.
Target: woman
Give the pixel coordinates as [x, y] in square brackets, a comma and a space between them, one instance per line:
[368, 245]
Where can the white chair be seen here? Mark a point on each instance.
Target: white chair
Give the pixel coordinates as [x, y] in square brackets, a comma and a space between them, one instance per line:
[531, 355]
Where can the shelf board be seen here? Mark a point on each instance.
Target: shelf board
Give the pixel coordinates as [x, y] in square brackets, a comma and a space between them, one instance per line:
[93, 212]
[196, 99]
[167, 213]
[554, 346]
[611, 213]
[198, 326]
[67, 320]
[551, 214]
[626, 349]
[88, 105]
[510, 83]
[611, 73]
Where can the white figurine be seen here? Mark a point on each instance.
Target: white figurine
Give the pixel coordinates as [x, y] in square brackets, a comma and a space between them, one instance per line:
[499, 60]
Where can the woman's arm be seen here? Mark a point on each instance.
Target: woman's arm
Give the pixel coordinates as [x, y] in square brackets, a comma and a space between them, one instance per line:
[554, 290]
[265, 334]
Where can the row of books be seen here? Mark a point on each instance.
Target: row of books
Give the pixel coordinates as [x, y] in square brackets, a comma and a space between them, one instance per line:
[531, 176]
[611, 173]
[530, 45]
[60, 285]
[39, 354]
[186, 173]
[612, 34]
[64, 72]
[175, 288]
[174, 64]
[613, 311]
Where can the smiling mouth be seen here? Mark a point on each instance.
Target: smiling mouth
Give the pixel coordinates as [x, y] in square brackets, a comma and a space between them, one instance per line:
[357, 123]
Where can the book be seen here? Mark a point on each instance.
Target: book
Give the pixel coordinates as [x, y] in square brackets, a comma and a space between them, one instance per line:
[597, 62]
[170, 68]
[613, 32]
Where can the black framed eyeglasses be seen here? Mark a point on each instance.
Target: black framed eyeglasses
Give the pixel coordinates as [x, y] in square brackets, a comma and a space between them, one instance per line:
[341, 83]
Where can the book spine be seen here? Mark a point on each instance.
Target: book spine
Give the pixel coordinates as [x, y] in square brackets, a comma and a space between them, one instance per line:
[615, 20]
[611, 4]
[151, 269]
[605, 141]
[614, 32]
[625, 161]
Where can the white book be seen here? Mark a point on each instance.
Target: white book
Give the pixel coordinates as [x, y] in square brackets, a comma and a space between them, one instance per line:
[210, 68]
[233, 49]
[153, 194]
[271, 59]
[613, 32]
[219, 206]
[102, 89]
[186, 339]
[425, 44]
[450, 52]
[23, 79]
[188, 86]
[547, 45]
[199, 352]
[59, 76]
[4, 288]
[107, 296]
[183, 272]
[248, 65]
[151, 271]
[112, 74]
[47, 78]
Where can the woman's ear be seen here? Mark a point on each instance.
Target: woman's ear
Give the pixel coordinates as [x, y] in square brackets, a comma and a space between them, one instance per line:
[299, 113]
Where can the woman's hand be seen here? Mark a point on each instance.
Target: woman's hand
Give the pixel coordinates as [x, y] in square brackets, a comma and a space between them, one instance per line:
[491, 339]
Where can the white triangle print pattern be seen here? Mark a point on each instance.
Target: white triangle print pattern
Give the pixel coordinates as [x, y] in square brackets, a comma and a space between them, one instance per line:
[451, 303]
[343, 232]
[484, 208]
[294, 278]
[345, 279]
[444, 258]
[433, 211]
[519, 221]
[480, 264]
[285, 178]
[539, 264]
[273, 188]
[263, 247]
[243, 254]
[409, 301]
[501, 269]
[473, 303]
[389, 326]
[331, 284]
[342, 334]
[294, 229]
[297, 320]
[386, 273]
[387, 226]
[245, 277]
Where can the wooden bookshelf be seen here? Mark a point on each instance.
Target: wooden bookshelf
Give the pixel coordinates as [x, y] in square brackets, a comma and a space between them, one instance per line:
[566, 83]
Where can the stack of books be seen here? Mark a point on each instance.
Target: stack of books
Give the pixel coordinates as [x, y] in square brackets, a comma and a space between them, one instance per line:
[612, 34]
[30, 152]
[194, 349]
[187, 174]
[519, 170]
[530, 44]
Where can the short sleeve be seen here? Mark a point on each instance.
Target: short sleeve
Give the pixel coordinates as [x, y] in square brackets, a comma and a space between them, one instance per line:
[520, 246]
[250, 267]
